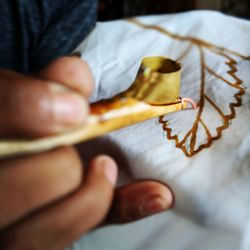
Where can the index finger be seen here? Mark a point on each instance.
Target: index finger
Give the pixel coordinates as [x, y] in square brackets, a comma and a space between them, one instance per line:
[35, 107]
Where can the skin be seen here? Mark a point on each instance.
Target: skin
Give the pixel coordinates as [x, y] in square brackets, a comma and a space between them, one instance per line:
[49, 200]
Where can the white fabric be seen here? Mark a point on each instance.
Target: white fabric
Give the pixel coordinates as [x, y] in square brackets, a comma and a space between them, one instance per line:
[212, 188]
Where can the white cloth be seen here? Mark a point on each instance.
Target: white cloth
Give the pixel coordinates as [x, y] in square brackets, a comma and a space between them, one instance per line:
[212, 188]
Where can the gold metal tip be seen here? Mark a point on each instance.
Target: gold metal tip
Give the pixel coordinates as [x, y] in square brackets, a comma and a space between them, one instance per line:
[157, 82]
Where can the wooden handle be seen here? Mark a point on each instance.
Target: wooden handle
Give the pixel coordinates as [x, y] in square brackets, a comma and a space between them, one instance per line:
[96, 125]
[155, 92]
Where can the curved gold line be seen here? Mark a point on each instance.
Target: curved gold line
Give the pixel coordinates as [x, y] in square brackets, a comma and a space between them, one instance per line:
[209, 136]
[221, 50]
[215, 107]
[185, 53]
[234, 85]
[202, 100]
[193, 40]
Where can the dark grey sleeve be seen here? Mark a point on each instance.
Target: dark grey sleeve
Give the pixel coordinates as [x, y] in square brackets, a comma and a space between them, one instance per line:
[34, 32]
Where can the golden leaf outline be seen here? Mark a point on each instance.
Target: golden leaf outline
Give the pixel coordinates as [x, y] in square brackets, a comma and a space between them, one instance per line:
[189, 148]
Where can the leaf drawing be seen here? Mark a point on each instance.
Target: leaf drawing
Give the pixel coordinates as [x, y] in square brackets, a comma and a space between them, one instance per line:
[217, 89]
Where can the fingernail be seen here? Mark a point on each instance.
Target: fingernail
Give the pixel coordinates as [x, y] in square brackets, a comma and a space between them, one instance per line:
[69, 109]
[154, 205]
[108, 166]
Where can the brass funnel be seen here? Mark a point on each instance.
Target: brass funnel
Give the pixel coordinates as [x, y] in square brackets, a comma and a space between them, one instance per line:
[157, 82]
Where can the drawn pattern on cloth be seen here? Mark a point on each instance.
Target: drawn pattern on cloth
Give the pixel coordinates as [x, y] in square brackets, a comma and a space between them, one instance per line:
[189, 142]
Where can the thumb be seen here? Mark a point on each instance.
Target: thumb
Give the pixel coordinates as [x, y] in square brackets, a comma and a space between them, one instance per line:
[62, 223]
[99, 188]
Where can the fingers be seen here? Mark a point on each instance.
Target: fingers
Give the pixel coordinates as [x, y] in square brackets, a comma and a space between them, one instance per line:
[53, 103]
[70, 218]
[139, 200]
[29, 183]
[72, 72]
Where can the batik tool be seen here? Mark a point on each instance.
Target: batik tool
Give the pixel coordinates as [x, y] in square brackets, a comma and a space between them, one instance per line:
[155, 92]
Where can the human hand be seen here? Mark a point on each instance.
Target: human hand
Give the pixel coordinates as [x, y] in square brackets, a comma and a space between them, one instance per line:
[46, 201]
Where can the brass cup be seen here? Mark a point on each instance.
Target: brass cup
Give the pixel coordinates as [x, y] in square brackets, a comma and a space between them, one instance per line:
[157, 82]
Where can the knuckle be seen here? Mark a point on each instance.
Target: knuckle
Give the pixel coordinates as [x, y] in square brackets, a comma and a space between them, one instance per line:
[23, 99]
[70, 170]
[59, 175]
[98, 207]
[89, 80]
[98, 201]
[56, 66]
[79, 70]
